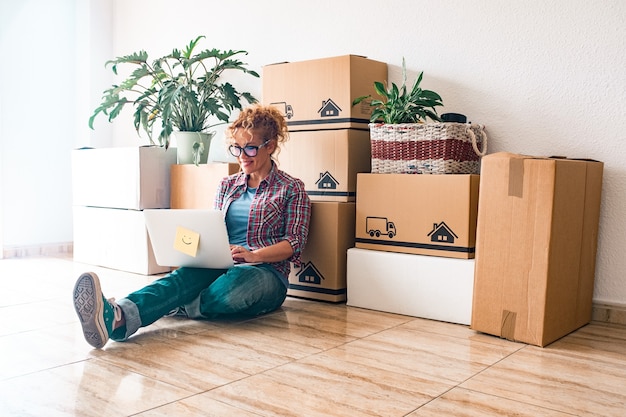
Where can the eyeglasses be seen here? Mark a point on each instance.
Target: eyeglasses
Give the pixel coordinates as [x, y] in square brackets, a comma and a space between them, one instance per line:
[250, 150]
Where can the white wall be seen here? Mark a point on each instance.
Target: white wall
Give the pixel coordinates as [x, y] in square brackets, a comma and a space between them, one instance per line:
[546, 78]
[37, 107]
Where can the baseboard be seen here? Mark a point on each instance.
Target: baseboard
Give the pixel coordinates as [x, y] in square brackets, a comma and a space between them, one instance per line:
[609, 313]
[52, 249]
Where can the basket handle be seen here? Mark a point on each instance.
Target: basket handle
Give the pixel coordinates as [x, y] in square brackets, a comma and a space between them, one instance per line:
[472, 135]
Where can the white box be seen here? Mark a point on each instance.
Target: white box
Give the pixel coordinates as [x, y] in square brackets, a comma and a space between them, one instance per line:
[429, 287]
[114, 238]
[127, 177]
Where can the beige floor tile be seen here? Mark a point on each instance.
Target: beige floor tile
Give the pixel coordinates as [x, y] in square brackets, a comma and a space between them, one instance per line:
[301, 328]
[206, 359]
[441, 357]
[452, 329]
[274, 334]
[390, 373]
[27, 317]
[308, 358]
[88, 388]
[256, 336]
[197, 406]
[602, 342]
[352, 321]
[363, 385]
[558, 379]
[32, 351]
[302, 390]
[464, 403]
[172, 328]
[184, 362]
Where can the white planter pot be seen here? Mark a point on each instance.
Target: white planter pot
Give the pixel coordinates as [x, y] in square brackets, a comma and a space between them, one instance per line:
[185, 142]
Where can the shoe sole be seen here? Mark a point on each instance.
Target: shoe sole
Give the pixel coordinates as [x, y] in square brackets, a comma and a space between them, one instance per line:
[89, 307]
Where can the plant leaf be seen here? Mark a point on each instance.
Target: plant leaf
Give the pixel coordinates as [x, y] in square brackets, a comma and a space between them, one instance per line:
[182, 90]
[399, 105]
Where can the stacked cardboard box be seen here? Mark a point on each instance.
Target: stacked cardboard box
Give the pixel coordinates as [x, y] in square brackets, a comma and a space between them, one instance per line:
[419, 214]
[329, 145]
[415, 243]
[194, 186]
[111, 187]
[327, 161]
[317, 94]
[536, 246]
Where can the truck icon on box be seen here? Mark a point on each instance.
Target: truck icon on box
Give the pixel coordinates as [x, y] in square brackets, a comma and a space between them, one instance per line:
[377, 226]
[284, 108]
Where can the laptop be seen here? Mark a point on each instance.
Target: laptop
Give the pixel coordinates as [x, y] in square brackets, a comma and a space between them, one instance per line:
[189, 237]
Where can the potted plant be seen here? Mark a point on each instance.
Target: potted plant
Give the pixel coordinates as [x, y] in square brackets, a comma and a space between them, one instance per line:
[182, 91]
[399, 105]
[404, 142]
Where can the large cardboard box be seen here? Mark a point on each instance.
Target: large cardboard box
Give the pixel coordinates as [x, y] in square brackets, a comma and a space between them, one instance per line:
[418, 214]
[327, 161]
[318, 94]
[430, 287]
[323, 272]
[134, 178]
[536, 246]
[114, 238]
[195, 186]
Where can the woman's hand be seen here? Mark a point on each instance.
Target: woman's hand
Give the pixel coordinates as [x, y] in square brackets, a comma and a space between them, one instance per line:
[241, 254]
[275, 253]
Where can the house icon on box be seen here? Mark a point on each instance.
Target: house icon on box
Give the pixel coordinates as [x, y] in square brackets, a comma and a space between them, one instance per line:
[329, 109]
[441, 233]
[310, 275]
[326, 182]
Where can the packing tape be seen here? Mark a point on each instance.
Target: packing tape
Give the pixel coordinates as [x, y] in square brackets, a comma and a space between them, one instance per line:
[516, 177]
[507, 325]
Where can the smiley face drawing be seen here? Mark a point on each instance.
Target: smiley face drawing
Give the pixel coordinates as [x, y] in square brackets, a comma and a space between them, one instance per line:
[186, 241]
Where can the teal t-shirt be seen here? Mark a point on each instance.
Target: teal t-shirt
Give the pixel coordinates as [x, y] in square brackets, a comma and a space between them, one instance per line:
[237, 218]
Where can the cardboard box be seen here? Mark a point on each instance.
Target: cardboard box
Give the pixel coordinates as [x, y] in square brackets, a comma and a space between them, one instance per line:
[536, 246]
[194, 187]
[318, 94]
[418, 214]
[134, 178]
[429, 287]
[323, 272]
[114, 238]
[327, 161]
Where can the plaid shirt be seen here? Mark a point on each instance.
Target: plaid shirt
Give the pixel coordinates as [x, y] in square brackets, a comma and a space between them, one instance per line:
[280, 210]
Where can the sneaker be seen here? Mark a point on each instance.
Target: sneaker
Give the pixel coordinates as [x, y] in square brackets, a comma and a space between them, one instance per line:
[97, 314]
[177, 312]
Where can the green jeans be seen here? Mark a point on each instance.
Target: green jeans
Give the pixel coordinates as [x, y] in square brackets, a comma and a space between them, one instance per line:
[204, 293]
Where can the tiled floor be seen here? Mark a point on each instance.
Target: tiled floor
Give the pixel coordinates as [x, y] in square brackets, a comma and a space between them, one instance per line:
[307, 359]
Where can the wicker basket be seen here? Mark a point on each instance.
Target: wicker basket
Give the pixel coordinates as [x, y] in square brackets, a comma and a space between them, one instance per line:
[428, 148]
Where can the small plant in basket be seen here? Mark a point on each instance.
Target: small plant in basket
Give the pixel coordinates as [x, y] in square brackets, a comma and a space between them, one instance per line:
[403, 143]
[399, 105]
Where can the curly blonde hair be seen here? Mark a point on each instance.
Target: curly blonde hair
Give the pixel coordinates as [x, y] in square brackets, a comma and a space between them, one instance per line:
[265, 121]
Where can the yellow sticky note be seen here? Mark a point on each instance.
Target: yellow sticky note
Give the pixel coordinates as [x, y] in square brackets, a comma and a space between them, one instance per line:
[186, 241]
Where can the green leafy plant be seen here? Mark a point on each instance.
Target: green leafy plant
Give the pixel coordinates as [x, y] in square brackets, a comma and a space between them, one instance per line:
[182, 91]
[399, 105]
